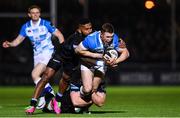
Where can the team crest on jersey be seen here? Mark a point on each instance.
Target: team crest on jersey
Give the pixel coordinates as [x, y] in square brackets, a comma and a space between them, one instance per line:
[29, 31]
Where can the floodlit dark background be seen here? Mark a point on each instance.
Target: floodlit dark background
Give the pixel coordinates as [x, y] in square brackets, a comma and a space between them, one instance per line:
[152, 37]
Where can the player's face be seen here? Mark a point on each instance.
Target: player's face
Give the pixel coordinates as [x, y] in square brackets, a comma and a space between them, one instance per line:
[34, 14]
[107, 37]
[86, 29]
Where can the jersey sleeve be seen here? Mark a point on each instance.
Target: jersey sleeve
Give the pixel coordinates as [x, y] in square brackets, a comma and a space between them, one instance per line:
[51, 28]
[116, 42]
[23, 31]
[86, 42]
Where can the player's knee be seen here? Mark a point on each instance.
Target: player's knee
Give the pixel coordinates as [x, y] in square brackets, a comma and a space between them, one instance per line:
[45, 80]
[34, 76]
[87, 89]
[66, 78]
[48, 74]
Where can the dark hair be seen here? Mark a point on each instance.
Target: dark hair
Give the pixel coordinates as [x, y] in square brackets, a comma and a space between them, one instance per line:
[32, 7]
[83, 21]
[107, 27]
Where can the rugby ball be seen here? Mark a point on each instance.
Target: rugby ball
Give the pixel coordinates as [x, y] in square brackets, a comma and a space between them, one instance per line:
[111, 53]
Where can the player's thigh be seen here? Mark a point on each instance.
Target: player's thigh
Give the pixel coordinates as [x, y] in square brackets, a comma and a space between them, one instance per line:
[43, 57]
[86, 76]
[38, 70]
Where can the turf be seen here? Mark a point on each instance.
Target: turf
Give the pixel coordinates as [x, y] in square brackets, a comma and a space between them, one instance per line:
[121, 102]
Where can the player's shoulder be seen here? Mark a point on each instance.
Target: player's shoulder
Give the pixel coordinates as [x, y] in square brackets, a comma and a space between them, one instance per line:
[45, 22]
[93, 35]
[75, 36]
[115, 36]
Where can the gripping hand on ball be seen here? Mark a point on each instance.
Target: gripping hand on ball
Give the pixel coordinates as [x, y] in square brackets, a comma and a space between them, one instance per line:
[110, 61]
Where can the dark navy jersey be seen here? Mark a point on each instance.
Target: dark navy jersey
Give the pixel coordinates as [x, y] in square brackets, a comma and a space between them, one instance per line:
[68, 53]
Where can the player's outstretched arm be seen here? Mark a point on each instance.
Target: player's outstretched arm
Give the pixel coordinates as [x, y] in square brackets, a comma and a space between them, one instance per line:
[14, 43]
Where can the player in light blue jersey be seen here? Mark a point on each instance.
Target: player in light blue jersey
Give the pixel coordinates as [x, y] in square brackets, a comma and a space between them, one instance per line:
[94, 46]
[39, 31]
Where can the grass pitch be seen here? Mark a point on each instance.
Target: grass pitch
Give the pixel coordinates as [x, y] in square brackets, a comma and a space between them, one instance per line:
[121, 102]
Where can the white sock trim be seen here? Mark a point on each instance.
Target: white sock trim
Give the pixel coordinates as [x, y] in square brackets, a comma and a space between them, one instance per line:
[59, 94]
[47, 85]
[37, 80]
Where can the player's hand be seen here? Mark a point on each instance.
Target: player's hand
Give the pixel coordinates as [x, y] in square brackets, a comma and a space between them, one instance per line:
[6, 44]
[110, 61]
[122, 44]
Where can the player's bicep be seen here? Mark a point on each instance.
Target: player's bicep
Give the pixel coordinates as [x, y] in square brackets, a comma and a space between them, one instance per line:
[124, 51]
[23, 31]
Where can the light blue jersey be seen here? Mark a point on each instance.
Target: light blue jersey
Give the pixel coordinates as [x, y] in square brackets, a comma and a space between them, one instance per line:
[39, 35]
[94, 43]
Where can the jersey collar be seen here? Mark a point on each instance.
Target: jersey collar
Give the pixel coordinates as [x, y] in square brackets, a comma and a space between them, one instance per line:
[37, 24]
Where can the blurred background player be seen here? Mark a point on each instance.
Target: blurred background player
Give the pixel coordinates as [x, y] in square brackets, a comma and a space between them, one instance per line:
[39, 32]
[94, 46]
[66, 58]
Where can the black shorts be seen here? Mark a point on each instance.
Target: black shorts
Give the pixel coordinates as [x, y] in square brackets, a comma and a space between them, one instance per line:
[70, 67]
[56, 62]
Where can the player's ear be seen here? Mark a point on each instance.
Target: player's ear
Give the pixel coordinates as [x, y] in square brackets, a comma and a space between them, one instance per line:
[29, 14]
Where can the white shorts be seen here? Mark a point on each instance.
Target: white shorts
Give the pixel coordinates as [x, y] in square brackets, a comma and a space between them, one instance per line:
[100, 66]
[43, 57]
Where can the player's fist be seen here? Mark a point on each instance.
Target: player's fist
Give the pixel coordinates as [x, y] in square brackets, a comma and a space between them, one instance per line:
[110, 61]
[122, 44]
[6, 44]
